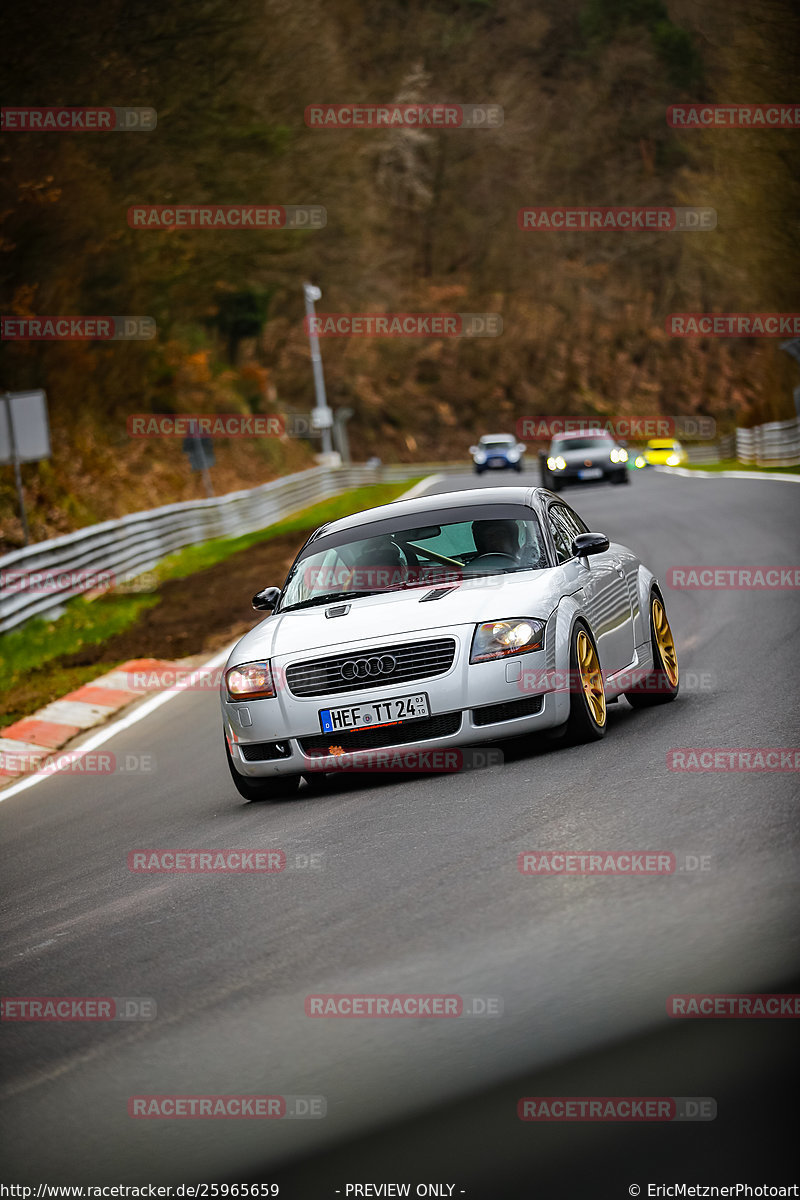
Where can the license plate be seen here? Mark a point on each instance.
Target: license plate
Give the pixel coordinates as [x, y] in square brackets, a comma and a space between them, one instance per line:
[374, 712]
[591, 473]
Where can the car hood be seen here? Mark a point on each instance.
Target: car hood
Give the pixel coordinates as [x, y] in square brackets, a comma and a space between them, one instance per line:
[394, 615]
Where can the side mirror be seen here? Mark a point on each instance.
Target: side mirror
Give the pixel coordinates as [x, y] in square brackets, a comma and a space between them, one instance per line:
[266, 600]
[473, 449]
[589, 543]
[521, 447]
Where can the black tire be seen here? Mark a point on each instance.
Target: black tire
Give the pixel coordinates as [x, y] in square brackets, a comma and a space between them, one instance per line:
[479, 470]
[582, 725]
[663, 683]
[518, 467]
[622, 477]
[280, 787]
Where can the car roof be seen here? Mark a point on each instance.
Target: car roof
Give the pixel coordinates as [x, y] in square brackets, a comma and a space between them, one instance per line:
[497, 437]
[661, 443]
[419, 505]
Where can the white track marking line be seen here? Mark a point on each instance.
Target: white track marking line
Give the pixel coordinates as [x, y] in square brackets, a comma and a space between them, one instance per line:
[109, 731]
[727, 474]
[419, 488]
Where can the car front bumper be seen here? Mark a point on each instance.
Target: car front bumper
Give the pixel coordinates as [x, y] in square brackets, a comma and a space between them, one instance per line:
[468, 704]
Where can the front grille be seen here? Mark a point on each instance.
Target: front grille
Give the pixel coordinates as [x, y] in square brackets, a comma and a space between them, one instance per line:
[414, 660]
[491, 714]
[263, 751]
[445, 725]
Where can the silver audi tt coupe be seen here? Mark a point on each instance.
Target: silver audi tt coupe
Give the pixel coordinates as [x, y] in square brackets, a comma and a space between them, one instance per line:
[437, 622]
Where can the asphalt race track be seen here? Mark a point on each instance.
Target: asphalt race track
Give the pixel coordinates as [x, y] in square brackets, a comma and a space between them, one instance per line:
[416, 890]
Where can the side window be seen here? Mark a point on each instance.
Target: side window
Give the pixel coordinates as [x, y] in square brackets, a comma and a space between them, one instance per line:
[571, 520]
[565, 525]
[561, 535]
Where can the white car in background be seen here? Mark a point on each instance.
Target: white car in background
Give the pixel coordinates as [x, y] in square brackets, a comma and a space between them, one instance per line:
[442, 621]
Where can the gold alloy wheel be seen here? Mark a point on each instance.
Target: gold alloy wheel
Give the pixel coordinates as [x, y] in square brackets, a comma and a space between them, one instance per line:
[591, 677]
[665, 642]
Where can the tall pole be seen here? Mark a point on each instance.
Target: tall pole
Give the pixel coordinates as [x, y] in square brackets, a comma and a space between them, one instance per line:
[321, 416]
[17, 471]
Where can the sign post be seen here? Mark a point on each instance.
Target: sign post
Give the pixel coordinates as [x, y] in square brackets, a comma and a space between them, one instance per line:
[24, 437]
[321, 415]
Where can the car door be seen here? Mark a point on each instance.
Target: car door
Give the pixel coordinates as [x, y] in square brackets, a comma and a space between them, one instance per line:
[602, 578]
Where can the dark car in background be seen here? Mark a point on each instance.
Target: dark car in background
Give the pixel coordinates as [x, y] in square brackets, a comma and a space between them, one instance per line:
[583, 458]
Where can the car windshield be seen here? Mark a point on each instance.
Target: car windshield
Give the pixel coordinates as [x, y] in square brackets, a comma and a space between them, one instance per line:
[581, 443]
[394, 554]
[496, 443]
[658, 445]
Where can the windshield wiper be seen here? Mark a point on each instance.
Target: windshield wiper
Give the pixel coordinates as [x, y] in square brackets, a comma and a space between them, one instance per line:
[330, 598]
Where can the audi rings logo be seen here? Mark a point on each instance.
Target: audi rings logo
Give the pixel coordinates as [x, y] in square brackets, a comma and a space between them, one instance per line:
[364, 668]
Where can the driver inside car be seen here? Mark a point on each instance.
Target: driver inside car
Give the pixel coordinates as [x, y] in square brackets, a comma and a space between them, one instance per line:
[495, 537]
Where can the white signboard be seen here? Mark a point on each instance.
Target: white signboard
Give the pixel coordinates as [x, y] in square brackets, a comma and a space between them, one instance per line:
[31, 431]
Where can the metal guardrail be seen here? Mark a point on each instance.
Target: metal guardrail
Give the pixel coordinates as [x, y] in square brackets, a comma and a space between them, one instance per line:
[776, 444]
[39, 579]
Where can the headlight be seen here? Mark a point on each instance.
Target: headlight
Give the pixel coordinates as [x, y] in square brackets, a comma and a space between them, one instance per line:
[673, 460]
[499, 639]
[618, 455]
[639, 461]
[556, 464]
[250, 681]
[479, 456]
[513, 456]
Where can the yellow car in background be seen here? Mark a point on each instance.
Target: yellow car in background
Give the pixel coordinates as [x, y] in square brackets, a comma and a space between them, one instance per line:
[662, 452]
